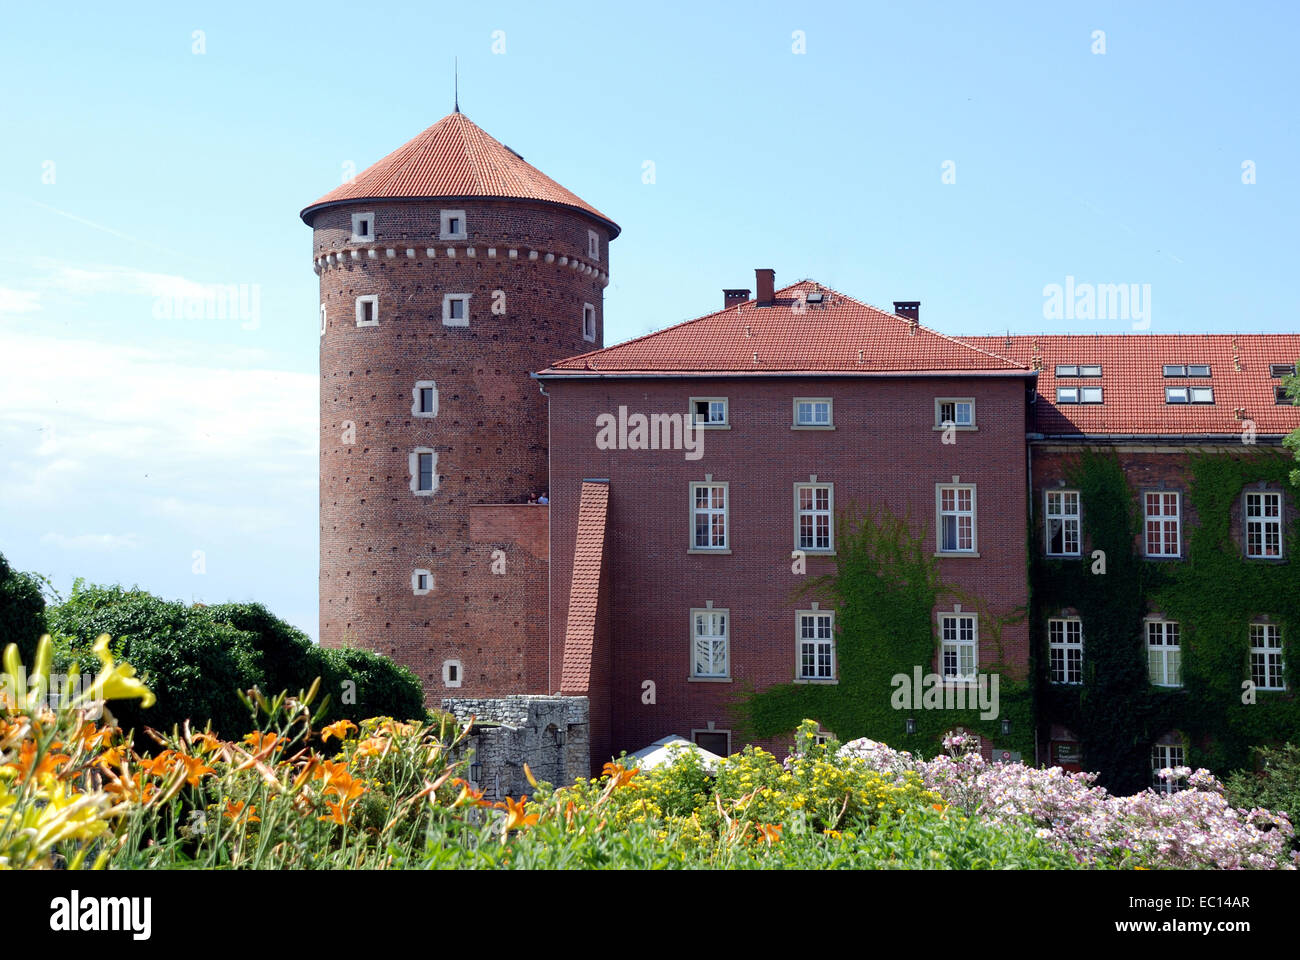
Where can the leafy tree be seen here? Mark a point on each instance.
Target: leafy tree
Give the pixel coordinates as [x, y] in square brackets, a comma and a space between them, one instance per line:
[22, 609]
[1292, 441]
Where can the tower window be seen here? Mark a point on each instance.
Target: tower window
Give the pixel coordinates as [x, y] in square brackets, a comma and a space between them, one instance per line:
[453, 225]
[363, 227]
[424, 399]
[593, 244]
[451, 673]
[368, 311]
[455, 310]
[421, 582]
[589, 323]
[322, 319]
[424, 471]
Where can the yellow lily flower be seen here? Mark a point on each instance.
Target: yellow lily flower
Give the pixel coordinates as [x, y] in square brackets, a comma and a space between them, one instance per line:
[117, 681]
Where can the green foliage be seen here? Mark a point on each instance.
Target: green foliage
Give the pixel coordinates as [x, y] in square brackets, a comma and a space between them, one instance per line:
[1274, 786]
[196, 659]
[1292, 441]
[1214, 594]
[22, 609]
[884, 590]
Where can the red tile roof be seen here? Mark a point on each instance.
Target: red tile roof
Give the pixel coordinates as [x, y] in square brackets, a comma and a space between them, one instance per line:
[838, 335]
[584, 589]
[1133, 385]
[454, 158]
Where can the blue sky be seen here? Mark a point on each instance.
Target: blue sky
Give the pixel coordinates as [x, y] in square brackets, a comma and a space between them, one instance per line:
[141, 445]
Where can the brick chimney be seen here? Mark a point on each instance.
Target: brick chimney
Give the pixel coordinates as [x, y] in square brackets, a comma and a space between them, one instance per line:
[908, 309]
[765, 280]
[733, 296]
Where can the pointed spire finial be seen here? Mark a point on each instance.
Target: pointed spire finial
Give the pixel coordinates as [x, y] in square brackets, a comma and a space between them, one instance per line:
[456, 81]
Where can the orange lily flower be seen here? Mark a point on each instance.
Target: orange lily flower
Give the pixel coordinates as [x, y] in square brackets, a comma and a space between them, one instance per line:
[619, 774]
[50, 763]
[771, 832]
[373, 747]
[235, 809]
[338, 730]
[469, 795]
[260, 742]
[345, 787]
[515, 815]
[205, 742]
[195, 768]
[339, 812]
[131, 788]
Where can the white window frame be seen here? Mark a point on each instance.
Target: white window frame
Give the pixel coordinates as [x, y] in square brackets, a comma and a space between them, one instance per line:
[1063, 648]
[1153, 626]
[956, 486]
[593, 245]
[357, 220]
[418, 590]
[951, 641]
[415, 399]
[941, 424]
[447, 319]
[447, 679]
[799, 424]
[1177, 395]
[373, 300]
[711, 511]
[1167, 756]
[724, 638]
[814, 513]
[322, 319]
[444, 225]
[711, 730]
[414, 465]
[1265, 524]
[1065, 519]
[1201, 395]
[589, 323]
[1163, 522]
[1267, 656]
[816, 642]
[723, 424]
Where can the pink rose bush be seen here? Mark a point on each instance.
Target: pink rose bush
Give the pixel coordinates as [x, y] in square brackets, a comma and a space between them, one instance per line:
[1192, 828]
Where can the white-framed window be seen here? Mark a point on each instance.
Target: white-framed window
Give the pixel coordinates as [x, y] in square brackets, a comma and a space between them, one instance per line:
[1175, 395]
[322, 319]
[814, 517]
[955, 504]
[958, 412]
[593, 244]
[711, 644]
[1267, 670]
[1166, 756]
[363, 227]
[709, 519]
[1078, 395]
[424, 471]
[452, 673]
[455, 309]
[1264, 525]
[709, 412]
[716, 742]
[1078, 370]
[1164, 653]
[813, 413]
[1065, 649]
[368, 311]
[815, 639]
[589, 323]
[452, 226]
[421, 582]
[1163, 524]
[1061, 518]
[958, 647]
[424, 399]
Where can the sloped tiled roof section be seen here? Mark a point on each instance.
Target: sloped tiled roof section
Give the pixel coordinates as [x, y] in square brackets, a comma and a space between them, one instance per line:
[584, 590]
[1133, 382]
[792, 335]
[455, 158]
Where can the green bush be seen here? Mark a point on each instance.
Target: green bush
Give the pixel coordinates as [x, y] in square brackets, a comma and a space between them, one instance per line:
[362, 684]
[1275, 786]
[22, 609]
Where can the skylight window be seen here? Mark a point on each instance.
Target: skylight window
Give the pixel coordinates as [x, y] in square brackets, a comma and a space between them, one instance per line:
[1186, 369]
[1078, 370]
[1279, 370]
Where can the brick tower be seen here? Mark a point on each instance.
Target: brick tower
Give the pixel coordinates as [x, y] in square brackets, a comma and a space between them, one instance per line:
[449, 271]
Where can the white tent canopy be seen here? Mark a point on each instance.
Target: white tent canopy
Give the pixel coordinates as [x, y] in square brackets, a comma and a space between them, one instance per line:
[668, 749]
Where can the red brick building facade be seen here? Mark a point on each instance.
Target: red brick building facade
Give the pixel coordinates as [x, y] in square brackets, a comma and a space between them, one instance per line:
[462, 371]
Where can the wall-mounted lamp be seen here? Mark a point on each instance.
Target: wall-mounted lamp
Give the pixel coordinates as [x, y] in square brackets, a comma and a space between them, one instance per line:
[1006, 726]
[559, 737]
[911, 725]
[475, 771]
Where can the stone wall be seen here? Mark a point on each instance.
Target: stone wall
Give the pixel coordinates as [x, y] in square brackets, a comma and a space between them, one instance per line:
[550, 734]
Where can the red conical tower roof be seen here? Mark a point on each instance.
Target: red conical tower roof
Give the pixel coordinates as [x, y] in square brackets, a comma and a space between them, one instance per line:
[455, 158]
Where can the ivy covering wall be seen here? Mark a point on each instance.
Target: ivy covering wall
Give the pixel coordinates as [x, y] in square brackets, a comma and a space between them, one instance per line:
[884, 592]
[1214, 593]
